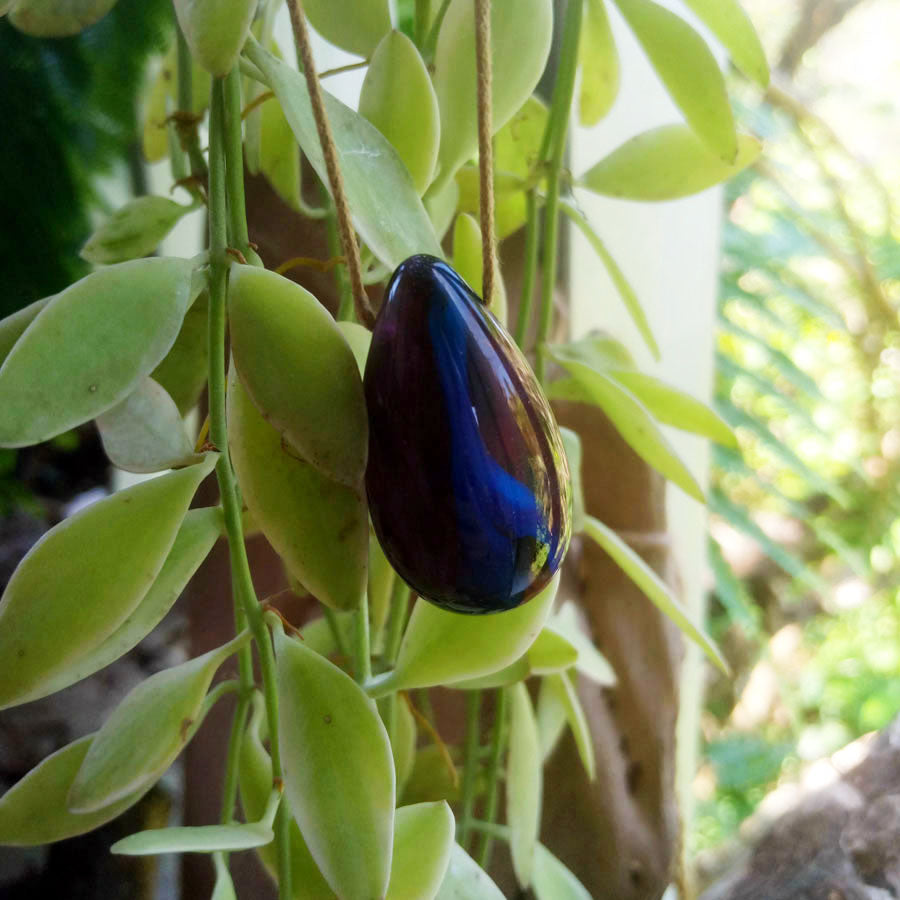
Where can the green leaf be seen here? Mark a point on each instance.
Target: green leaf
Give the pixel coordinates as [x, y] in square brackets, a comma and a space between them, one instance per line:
[13, 326]
[359, 339]
[466, 880]
[732, 594]
[403, 746]
[688, 70]
[194, 839]
[184, 369]
[516, 149]
[550, 718]
[145, 433]
[553, 881]
[431, 778]
[520, 44]
[33, 811]
[666, 163]
[524, 783]
[279, 156]
[338, 770]
[87, 575]
[626, 292]
[572, 446]
[224, 886]
[655, 589]
[674, 407]
[57, 18]
[398, 98]
[732, 26]
[133, 231]
[195, 538]
[578, 723]
[281, 338]
[423, 841]
[630, 417]
[590, 662]
[467, 251]
[255, 781]
[215, 30]
[380, 586]
[386, 208]
[441, 206]
[353, 25]
[319, 528]
[599, 63]
[146, 731]
[441, 647]
[89, 347]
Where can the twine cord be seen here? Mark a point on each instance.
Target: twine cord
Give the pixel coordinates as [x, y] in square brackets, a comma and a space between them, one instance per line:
[485, 148]
[329, 152]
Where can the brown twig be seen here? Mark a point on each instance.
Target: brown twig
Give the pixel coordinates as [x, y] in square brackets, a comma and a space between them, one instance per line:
[329, 152]
[485, 149]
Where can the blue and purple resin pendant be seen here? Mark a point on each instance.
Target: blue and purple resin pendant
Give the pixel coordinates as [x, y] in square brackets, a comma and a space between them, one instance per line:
[467, 479]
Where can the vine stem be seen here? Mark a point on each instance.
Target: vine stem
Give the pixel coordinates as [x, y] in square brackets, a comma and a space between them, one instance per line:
[470, 762]
[563, 90]
[186, 104]
[329, 152]
[498, 742]
[485, 148]
[242, 583]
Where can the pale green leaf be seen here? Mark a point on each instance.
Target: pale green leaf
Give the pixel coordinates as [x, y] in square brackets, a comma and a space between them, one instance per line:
[14, 325]
[215, 30]
[597, 350]
[423, 842]
[631, 419]
[674, 407]
[599, 63]
[441, 207]
[386, 208]
[146, 731]
[33, 811]
[520, 44]
[338, 770]
[524, 783]
[133, 231]
[467, 251]
[689, 71]
[550, 718]
[441, 647]
[90, 346]
[194, 839]
[466, 880]
[656, 590]
[572, 445]
[353, 25]
[224, 886]
[591, 662]
[281, 338]
[625, 290]
[145, 433]
[319, 527]
[553, 881]
[727, 20]
[359, 339]
[380, 586]
[578, 723]
[57, 18]
[279, 155]
[403, 746]
[87, 576]
[185, 367]
[397, 97]
[195, 538]
[666, 163]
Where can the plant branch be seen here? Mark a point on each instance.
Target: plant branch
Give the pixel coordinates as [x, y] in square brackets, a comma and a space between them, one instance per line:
[485, 148]
[498, 742]
[242, 583]
[470, 763]
[559, 120]
[330, 154]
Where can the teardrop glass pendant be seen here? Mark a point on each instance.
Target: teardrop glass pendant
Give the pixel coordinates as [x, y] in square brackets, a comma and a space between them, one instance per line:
[467, 478]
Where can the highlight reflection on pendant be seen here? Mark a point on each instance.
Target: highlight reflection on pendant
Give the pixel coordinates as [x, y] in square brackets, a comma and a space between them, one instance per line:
[467, 479]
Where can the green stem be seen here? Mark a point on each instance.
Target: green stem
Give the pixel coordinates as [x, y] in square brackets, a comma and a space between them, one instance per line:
[423, 8]
[186, 104]
[396, 622]
[361, 650]
[230, 787]
[334, 626]
[234, 163]
[242, 583]
[345, 295]
[529, 269]
[470, 762]
[498, 742]
[431, 40]
[563, 90]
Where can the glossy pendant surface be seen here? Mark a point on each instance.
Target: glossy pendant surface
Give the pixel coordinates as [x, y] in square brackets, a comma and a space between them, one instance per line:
[467, 478]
